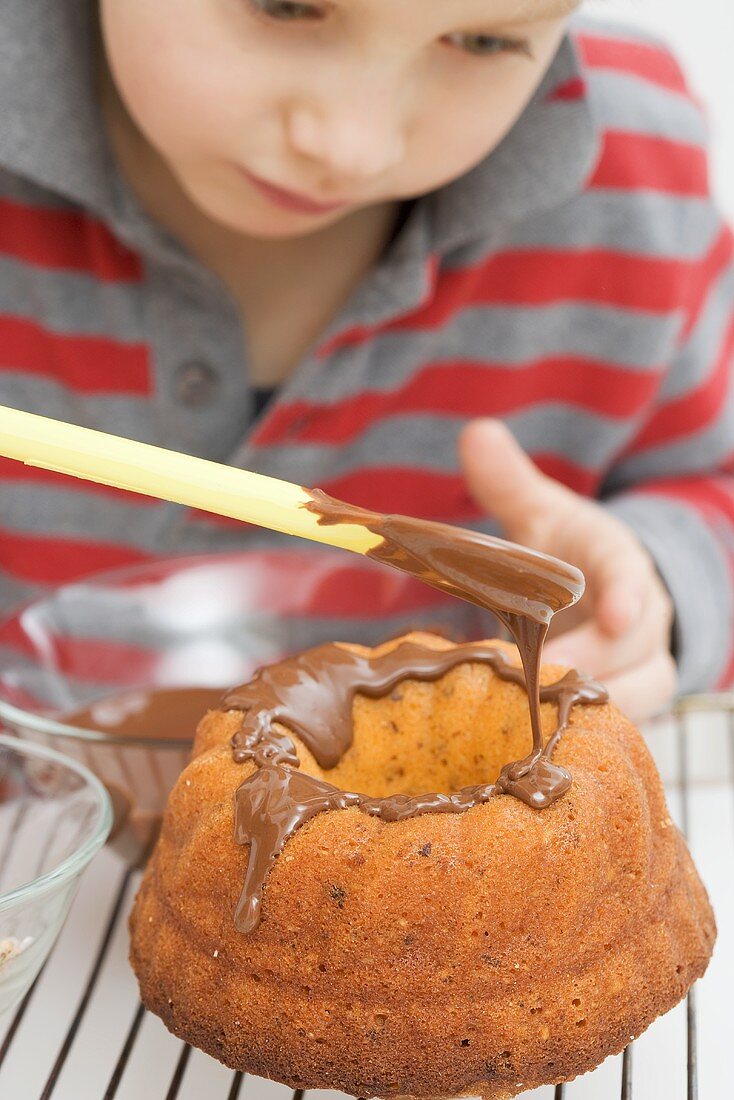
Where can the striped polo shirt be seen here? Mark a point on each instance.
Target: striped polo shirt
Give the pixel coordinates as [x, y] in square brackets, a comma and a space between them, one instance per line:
[578, 283]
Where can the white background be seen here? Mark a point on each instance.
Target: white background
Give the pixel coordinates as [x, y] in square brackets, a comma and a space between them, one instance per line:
[702, 34]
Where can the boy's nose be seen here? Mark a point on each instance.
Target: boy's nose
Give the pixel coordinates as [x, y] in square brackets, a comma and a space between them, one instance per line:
[354, 144]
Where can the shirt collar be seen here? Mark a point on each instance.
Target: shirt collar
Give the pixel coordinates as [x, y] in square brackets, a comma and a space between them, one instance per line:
[52, 135]
[52, 132]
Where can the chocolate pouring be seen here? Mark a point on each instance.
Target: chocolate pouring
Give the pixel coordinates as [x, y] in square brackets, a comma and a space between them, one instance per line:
[311, 694]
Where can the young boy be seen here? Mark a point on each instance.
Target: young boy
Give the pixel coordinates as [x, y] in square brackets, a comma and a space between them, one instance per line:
[343, 241]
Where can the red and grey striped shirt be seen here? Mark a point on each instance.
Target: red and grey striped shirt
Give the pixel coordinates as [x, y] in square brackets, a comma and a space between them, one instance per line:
[579, 283]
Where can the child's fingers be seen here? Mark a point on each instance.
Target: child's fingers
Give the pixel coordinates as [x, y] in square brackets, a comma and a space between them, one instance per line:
[619, 607]
[620, 573]
[645, 691]
[505, 482]
[630, 588]
[593, 650]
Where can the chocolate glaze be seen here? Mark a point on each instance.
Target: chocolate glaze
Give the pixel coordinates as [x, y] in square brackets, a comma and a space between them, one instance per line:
[520, 586]
[312, 694]
[156, 714]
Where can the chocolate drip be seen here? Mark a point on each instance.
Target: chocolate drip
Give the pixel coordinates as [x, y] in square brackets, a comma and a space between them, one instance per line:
[522, 587]
[277, 800]
[312, 695]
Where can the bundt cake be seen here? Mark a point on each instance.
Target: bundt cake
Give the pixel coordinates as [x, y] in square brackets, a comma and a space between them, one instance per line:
[391, 943]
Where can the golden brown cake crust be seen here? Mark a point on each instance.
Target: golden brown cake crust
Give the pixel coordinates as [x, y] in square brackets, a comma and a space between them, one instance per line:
[481, 953]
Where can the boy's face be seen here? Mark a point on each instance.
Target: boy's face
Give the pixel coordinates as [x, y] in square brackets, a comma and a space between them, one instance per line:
[278, 118]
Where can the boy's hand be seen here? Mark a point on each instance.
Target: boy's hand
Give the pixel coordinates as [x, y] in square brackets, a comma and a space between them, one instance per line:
[619, 632]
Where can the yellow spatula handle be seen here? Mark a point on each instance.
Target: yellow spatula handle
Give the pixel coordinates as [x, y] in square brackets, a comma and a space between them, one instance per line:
[168, 475]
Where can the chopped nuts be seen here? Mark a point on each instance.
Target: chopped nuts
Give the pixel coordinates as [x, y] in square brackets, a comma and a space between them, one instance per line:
[10, 948]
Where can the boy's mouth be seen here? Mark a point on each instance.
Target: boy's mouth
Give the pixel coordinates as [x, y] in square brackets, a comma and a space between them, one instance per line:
[291, 200]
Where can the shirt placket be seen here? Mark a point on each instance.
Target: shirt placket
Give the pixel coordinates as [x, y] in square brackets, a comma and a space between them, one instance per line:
[402, 282]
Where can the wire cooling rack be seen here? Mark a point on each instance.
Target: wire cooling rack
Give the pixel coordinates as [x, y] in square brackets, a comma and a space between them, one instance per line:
[81, 1034]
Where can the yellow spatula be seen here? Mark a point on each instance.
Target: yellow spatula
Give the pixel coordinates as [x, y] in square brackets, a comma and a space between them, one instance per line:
[168, 475]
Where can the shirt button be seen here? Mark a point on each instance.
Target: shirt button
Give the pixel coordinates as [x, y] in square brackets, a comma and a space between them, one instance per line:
[196, 383]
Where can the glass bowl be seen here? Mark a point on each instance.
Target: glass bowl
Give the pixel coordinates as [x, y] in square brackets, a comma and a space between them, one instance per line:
[54, 816]
[208, 621]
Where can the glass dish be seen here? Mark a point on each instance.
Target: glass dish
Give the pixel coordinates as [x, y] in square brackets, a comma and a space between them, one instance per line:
[208, 621]
[54, 816]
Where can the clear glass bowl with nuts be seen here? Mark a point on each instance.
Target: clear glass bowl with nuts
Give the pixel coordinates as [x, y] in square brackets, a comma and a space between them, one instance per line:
[54, 816]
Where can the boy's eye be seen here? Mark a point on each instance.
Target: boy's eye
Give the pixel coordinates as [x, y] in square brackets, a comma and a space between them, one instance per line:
[487, 45]
[285, 10]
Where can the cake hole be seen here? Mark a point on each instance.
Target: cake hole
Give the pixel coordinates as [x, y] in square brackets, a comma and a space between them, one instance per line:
[679, 969]
[465, 1042]
[607, 947]
[323, 968]
[576, 1001]
[409, 743]
[581, 1022]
